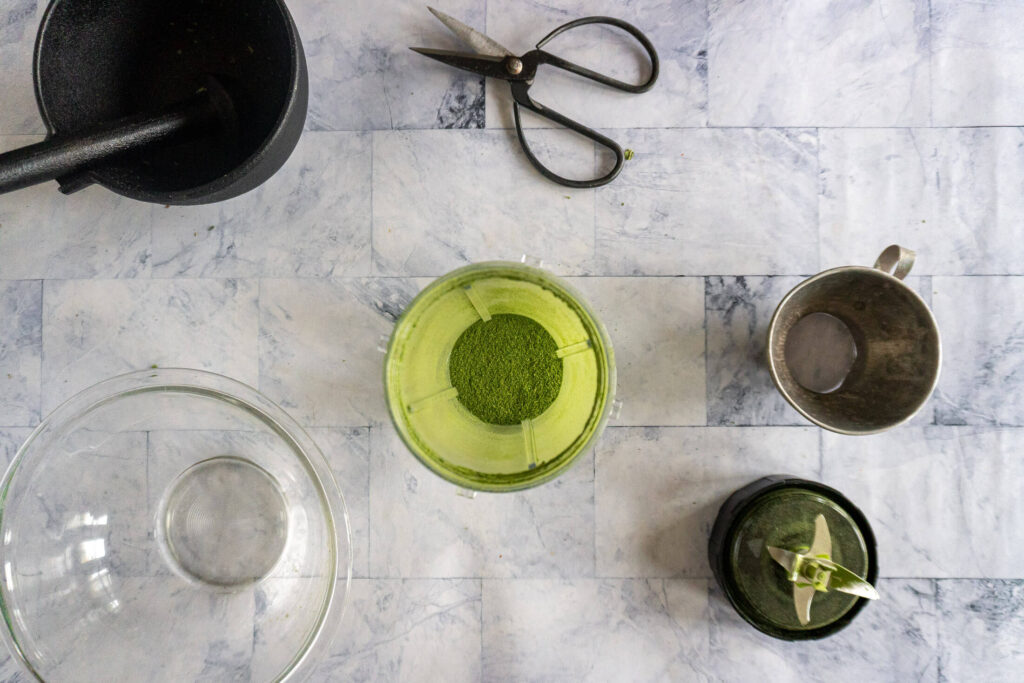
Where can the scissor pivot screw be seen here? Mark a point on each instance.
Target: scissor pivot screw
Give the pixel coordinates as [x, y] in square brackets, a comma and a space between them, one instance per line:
[514, 65]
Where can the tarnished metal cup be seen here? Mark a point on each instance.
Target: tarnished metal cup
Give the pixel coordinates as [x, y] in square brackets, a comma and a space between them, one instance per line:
[898, 351]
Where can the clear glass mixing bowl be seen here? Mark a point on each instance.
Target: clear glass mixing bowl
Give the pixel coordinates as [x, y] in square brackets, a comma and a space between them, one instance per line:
[171, 525]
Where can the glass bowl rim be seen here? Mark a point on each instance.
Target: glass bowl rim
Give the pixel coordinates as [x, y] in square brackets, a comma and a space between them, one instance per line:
[225, 389]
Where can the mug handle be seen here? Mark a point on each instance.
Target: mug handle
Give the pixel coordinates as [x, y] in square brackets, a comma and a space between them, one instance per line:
[896, 260]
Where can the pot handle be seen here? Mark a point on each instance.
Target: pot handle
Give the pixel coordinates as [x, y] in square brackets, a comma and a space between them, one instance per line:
[896, 260]
[66, 155]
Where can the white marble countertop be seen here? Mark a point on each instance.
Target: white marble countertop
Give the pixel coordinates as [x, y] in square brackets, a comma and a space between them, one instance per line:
[784, 136]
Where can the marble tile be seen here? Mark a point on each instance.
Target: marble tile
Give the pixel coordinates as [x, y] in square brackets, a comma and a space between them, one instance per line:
[809, 63]
[658, 490]
[364, 77]
[348, 453]
[318, 346]
[950, 194]
[893, 639]
[977, 63]
[312, 219]
[445, 199]
[89, 510]
[212, 634]
[622, 630]
[695, 202]
[285, 611]
[95, 329]
[422, 527]
[657, 329]
[740, 390]
[942, 501]
[92, 233]
[19, 20]
[407, 630]
[678, 29]
[11, 670]
[21, 350]
[11, 439]
[980, 319]
[981, 630]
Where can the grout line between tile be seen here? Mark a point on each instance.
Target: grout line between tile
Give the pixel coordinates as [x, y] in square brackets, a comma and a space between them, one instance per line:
[259, 334]
[369, 503]
[480, 583]
[42, 347]
[707, 367]
[820, 192]
[707, 63]
[931, 60]
[406, 276]
[821, 455]
[373, 151]
[778, 126]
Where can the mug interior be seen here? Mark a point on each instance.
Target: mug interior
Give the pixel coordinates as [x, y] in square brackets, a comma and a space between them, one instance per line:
[898, 349]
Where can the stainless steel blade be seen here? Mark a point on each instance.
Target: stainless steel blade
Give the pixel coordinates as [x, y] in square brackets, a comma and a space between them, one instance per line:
[845, 581]
[786, 558]
[821, 546]
[470, 36]
[802, 597]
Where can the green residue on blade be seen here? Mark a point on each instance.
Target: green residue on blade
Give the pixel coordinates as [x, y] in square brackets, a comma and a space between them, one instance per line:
[506, 369]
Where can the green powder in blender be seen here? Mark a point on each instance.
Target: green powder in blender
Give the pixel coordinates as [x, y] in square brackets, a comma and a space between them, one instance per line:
[499, 376]
[506, 369]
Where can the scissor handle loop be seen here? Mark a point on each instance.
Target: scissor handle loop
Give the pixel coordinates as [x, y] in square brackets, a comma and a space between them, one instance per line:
[544, 57]
[521, 98]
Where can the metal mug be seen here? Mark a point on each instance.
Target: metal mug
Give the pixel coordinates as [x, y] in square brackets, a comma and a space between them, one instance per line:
[898, 351]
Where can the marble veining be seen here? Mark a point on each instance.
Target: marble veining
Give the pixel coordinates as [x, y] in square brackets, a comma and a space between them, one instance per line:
[443, 200]
[624, 629]
[983, 338]
[895, 639]
[318, 346]
[93, 234]
[658, 332]
[740, 390]
[102, 328]
[410, 630]
[960, 523]
[949, 193]
[990, 616]
[18, 24]
[422, 528]
[783, 137]
[977, 63]
[310, 220]
[807, 63]
[711, 201]
[21, 334]
[363, 76]
[658, 489]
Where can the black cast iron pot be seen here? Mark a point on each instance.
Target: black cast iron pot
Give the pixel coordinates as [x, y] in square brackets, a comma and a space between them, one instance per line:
[167, 101]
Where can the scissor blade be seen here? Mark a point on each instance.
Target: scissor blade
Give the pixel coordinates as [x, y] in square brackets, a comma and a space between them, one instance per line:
[485, 65]
[470, 36]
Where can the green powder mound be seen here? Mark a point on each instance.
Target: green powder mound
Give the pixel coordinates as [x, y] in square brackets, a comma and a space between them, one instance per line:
[505, 369]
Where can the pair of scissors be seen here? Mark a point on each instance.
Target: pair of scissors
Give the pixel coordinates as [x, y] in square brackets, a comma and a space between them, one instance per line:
[494, 61]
